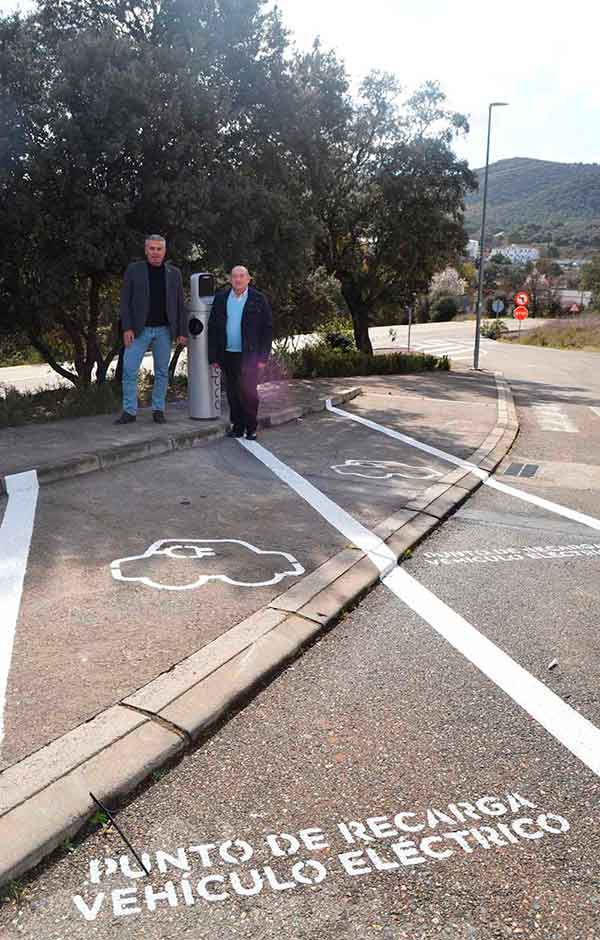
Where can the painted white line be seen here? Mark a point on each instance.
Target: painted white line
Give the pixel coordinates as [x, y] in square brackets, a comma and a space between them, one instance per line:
[565, 724]
[398, 436]
[574, 731]
[595, 410]
[15, 538]
[485, 477]
[382, 557]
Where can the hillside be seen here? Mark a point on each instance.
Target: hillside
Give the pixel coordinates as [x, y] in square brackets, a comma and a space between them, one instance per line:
[540, 201]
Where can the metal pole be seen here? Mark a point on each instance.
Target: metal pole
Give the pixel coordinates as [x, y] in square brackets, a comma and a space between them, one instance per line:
[481, 248]
[482, 239]
[410, 309]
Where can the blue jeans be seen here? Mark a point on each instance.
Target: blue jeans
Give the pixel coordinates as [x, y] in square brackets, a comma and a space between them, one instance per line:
[157, 338]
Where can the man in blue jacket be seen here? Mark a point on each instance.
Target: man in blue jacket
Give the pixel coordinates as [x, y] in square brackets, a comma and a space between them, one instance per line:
[152, 316]
[240, 333]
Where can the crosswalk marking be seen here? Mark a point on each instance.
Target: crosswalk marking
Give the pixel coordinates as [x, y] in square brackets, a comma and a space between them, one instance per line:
[550, 417]
[452, 349]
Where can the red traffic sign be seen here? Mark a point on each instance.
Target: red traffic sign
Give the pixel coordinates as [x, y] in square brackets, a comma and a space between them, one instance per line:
[522, 299]
[521, 313]
[574, 308]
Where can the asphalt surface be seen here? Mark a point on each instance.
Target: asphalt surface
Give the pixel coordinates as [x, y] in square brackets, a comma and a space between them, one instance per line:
[116, 590]
[419, 799]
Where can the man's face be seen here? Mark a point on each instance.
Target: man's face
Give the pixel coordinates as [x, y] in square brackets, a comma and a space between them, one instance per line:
[155, 252]
[239, 280]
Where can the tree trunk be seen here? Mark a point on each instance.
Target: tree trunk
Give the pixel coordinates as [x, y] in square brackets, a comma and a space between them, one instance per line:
[360, 316]
[52, 360]
[103, 363]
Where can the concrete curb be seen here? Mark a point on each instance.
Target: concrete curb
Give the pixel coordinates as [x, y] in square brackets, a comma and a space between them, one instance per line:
[157, 446]
[120, 747]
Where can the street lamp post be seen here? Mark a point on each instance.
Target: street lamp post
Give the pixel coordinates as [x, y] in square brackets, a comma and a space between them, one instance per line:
[493, 104]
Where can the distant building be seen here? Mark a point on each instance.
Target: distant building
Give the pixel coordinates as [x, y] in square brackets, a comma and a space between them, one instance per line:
[473, 248]
[581, 297]
[517, 254]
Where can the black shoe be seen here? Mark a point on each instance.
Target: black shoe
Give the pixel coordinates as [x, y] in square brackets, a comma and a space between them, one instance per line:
[159, 417]
[250, 435]
[235, 432]
[126, 418]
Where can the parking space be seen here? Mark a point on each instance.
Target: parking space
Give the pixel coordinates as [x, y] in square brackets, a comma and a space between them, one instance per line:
[381, 786]
[131, 571]
[428, 769]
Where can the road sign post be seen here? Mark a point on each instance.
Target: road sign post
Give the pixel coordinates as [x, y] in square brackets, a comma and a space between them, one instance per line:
[521, 313]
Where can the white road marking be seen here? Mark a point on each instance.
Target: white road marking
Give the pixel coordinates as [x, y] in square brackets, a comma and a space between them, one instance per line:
[380, 554]
[483, 475]
[15, 539]
[551, 418]
[194, 551]
[385, 470]
[595, 410]
[453, 350]
[574, 731]
[532, 552]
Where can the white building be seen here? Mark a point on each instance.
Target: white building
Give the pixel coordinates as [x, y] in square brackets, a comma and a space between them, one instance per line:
[517, 254]
[473, 248]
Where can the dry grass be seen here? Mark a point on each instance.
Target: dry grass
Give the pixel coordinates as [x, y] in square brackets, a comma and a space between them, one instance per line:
[581, 333]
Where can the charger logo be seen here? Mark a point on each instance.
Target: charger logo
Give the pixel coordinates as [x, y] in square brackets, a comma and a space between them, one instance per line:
[385, 470]
[186, 564]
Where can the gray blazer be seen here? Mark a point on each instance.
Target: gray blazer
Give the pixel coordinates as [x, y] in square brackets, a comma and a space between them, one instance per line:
[135, 299]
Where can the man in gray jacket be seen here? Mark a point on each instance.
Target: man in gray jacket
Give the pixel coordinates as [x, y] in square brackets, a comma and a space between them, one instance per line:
[152, 316]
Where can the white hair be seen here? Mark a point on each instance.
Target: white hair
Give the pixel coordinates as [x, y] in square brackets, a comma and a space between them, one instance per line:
[155, 238]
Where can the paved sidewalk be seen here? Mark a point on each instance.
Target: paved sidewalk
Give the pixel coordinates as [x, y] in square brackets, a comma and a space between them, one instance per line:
[62, 449]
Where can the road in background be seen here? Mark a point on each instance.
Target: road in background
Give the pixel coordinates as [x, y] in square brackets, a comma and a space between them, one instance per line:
[455, 339]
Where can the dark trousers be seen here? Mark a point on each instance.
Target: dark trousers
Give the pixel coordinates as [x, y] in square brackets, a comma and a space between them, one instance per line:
[241, 377]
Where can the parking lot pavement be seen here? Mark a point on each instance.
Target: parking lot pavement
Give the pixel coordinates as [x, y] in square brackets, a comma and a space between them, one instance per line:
[132, 570]
[381, 786]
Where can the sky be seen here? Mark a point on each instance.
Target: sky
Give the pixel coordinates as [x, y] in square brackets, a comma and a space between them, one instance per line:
[540, 57]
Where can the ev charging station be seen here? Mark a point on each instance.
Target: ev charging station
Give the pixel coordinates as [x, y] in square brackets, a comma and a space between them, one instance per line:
[204, 381]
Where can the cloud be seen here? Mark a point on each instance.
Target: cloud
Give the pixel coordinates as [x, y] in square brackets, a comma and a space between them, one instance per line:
[540, 59]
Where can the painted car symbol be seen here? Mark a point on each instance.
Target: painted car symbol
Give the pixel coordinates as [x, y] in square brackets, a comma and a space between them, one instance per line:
[385, 470]
[186, 564]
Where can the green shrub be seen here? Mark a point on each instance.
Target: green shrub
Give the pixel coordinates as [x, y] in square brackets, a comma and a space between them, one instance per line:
[337, 340]
[317, 361]
[320, 362]
[493, 329]
[50, 404]
[444, 308]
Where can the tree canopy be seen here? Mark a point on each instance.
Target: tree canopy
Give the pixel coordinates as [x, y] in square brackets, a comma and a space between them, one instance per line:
[198, 119]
